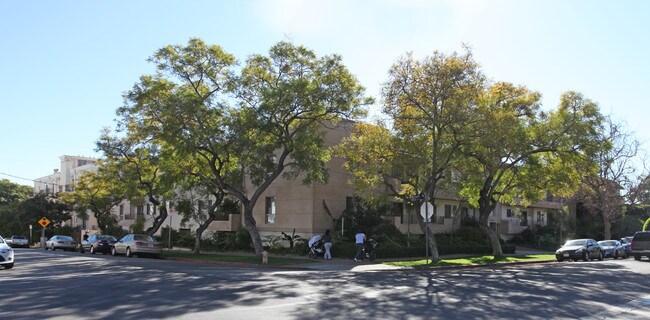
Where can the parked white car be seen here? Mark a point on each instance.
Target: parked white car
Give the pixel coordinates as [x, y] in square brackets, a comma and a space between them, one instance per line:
[6, 255]
[18, 242]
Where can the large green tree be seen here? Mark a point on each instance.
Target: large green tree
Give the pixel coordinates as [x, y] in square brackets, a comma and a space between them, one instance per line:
[266, 122]
[519, 153]
[135, 161]
[42, 205]
[11, 194]
[430, 103]
[98, 193]
[604, 190]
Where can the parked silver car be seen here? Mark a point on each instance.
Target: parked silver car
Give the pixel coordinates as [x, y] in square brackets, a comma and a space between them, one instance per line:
[6, 255]
[61, 242]
[137, 244]
[18, 242]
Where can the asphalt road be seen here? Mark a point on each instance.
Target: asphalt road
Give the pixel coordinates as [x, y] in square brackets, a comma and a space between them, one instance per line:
[69, 285]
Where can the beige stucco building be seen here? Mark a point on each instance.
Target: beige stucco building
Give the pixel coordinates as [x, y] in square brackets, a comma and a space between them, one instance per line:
[309, 209]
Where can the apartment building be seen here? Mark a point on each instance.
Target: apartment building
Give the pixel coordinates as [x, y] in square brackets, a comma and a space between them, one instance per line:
[289, 205]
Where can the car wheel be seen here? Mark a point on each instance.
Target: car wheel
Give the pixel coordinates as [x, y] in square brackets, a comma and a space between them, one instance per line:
[113, 251]
[615, 255]
[9, 266]
[128, 252]
[560, 259]
[46, 248]
[92, 250]
[586, 256]
[637, 257]
[601, 256]
[53, 248]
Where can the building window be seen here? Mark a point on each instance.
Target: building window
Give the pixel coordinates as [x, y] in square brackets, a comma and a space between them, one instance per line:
[121, 212]
[270, 210]
[540, 217]
[139, 210]
[510, 213]
[349, 204]
[398, 209]
[409, 215]
[524, 218]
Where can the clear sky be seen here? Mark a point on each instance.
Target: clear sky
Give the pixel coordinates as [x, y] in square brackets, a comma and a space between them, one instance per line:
[64, 65]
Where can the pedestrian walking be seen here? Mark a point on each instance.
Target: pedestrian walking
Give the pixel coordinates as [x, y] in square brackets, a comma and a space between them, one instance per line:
[327, 239]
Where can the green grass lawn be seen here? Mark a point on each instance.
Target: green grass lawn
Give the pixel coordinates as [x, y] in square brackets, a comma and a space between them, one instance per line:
[243, 258]
[472, 260]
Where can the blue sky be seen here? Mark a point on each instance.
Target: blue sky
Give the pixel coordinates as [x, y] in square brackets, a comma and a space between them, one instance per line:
[65, 64]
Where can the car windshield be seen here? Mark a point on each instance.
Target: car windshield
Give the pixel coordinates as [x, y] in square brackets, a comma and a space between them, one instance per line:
[607, 243]
[107, 238]
[2, 240]
[18, 237]
[625, 240]
[575, 243]
[64, 238]
[142, 237]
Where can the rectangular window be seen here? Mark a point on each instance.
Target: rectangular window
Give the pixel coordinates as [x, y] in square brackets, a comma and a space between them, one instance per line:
[398, 209]
[121, 212]
[270, 210]
[409, 215]
[510, 213]
[140, 210]
[448, 211]
[524, 218]
[349, 203]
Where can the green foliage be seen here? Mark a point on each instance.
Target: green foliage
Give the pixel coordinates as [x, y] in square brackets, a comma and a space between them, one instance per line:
[138, 225]
[367, 216]
[12, 192]
[646, 224]
[228, 241]
[52, 207]
[223, 126]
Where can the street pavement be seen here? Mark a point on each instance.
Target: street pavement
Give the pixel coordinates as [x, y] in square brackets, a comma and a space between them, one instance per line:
[69, 285]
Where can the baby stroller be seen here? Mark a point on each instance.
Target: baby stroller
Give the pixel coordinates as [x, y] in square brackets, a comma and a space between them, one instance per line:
[369, 249]
[316, 247]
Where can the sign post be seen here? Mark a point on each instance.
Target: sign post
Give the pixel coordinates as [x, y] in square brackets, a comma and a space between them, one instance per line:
[426, 216]
[44, 222]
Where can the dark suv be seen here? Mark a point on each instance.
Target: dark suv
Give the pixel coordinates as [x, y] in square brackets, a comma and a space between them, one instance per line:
[641, 245]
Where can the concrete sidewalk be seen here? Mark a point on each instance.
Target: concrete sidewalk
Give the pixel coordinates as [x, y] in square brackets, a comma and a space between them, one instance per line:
[345, 264]
[363, 266]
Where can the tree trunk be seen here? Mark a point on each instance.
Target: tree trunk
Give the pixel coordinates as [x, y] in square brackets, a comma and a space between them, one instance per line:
[158, 220]
[211, 217]
[607, 226]
[497, 252]
[486, 205]
[251, 226]
[199, 233]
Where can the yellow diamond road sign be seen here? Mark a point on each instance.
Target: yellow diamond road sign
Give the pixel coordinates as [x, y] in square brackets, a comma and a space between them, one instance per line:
[44, 222]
